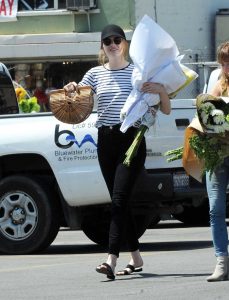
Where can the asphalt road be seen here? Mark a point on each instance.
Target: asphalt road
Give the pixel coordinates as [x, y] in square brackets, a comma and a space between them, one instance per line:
[177, 261]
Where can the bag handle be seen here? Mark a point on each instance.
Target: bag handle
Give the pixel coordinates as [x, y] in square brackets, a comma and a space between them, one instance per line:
[80, 88]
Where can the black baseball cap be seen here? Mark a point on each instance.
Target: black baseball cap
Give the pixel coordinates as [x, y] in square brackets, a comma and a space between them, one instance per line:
[112, 29]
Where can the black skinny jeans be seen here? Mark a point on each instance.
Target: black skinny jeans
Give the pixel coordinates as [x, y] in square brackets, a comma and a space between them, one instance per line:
[120, 180]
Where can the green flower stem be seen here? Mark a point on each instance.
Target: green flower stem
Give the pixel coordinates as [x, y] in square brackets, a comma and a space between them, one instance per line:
[209, 149]
[175, 154]
[133, 149]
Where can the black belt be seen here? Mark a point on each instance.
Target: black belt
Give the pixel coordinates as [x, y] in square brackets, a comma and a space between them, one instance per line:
[116, 128]
[111, 128]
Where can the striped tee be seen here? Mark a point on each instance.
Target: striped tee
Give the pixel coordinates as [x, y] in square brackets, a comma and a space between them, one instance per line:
[112, 88]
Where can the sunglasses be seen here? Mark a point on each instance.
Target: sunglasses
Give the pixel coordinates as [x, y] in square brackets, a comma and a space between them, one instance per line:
[116, 40]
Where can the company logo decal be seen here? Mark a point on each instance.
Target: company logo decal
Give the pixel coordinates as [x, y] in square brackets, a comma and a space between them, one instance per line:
[87, 138]
[65, 139]
[71, 139]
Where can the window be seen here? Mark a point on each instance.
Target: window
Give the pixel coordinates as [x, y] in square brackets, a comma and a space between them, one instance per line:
[8, 101]
[55, 4]
[35, 4]
[38, 79]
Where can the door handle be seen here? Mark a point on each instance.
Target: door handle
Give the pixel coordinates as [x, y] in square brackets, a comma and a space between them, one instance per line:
[182, 123]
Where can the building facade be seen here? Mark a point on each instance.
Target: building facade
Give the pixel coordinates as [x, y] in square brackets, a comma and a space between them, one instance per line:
[55, 41]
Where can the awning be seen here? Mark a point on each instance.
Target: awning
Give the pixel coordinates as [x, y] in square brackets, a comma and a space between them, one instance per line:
[50, 47]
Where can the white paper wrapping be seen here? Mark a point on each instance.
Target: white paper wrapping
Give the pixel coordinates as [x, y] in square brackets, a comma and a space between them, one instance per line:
[155, 56]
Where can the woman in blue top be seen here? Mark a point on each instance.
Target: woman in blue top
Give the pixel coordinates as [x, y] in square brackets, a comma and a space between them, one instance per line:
[111, 82]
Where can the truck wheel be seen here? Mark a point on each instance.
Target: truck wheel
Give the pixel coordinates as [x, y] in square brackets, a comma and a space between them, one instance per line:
[96, 227]
[28, 218]
[194, 216]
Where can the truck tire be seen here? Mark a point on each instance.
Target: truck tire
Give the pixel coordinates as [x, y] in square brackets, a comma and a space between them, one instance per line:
[96, 227]
[28, 218]
[194, 216]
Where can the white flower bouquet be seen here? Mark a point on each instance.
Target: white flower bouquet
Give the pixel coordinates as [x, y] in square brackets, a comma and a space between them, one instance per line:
[213, 113]
[156, 59]
[206, 138]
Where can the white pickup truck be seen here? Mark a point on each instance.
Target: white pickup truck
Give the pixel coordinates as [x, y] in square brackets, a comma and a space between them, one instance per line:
[50, 177]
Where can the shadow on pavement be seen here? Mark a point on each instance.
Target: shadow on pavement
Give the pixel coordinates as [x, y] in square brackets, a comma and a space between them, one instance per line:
[74, 249]
[175, 245]
[143, 275]
[144, 247]
[177, 224]
[175, 275]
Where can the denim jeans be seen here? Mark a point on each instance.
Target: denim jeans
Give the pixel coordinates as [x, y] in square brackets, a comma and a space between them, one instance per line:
[120, 180]
[216, 188]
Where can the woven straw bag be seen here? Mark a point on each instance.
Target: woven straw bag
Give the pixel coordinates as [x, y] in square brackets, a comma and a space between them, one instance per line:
[74, 108]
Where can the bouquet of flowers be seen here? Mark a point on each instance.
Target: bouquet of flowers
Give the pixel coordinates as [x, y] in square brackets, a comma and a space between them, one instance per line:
[206, 138]
[213, 113]
[26, 104]
[160, 64]
[132, 151]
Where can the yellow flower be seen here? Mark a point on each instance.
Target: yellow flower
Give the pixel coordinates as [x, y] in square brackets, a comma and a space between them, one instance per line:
[20, 93]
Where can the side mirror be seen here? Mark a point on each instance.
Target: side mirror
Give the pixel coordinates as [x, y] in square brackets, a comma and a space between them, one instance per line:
[8, 99]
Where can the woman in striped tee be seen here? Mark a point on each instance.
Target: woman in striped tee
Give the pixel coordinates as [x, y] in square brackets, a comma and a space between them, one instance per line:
[111, 82]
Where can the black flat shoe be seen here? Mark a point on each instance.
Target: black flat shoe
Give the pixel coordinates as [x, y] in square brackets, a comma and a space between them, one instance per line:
[128, 270]
[106, 269]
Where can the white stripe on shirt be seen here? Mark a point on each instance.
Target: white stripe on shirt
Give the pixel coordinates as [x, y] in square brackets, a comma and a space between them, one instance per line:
[112, 88]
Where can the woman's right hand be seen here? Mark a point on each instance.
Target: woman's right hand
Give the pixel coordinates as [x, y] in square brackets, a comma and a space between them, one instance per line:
[71, 87]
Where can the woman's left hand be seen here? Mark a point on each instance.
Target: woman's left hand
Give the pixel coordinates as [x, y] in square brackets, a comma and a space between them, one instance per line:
[158, 88]
[152, 87]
